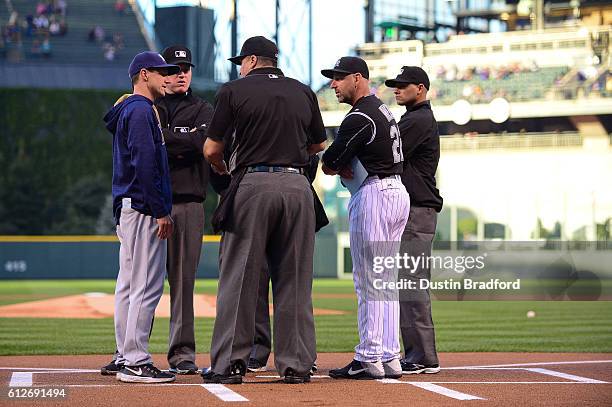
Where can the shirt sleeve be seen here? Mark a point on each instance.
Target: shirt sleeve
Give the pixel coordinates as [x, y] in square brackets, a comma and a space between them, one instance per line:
[355, 131]
[223, 116]
[317, 129]
[141, 143]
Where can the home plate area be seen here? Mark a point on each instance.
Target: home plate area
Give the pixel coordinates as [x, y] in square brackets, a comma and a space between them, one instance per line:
[491, 378]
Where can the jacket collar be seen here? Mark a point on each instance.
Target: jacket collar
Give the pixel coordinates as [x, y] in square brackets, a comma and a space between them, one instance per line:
[266, 71]
[423, 105]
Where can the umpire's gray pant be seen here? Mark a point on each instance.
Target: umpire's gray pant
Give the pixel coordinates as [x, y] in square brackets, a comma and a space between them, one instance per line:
[262, 345]
[184, 248]
[416, 324]
[140, 284]
[272, 221]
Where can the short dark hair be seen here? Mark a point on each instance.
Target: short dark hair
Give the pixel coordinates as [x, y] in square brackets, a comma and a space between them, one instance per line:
[266, 61]
[135, 78]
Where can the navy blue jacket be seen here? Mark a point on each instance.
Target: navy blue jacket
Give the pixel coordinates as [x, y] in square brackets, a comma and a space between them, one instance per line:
[140, 161]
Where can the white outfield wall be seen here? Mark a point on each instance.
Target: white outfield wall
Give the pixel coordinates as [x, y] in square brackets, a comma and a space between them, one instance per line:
[514, 186]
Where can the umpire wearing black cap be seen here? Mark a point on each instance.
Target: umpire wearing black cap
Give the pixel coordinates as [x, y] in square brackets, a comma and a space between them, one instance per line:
[267, 215]
[421, 147]
[184, 118]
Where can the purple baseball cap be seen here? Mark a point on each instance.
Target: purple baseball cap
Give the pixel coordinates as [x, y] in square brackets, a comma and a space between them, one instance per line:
[149, 60]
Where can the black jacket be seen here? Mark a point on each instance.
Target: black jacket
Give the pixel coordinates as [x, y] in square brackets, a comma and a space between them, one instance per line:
[189, 171]
[421, 147]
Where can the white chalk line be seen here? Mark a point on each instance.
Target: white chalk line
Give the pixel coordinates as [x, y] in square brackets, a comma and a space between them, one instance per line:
[51, 369]
[573, 362]
[224, 393]
[567, 376]
[435, 388]
[21, 379]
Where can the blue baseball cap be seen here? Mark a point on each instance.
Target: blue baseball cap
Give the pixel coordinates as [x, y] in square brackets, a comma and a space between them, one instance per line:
[150, 60]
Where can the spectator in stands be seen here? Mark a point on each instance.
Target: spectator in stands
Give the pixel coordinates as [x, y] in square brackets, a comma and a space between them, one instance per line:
[118, 41]
[120, 7]
[35, 50]
[60, 7]
[54, 26]
[46, 47]
[41, 8]
[109, 52]
[451, 74]
[99, 33]
[63, 28]
[30, 25]
[96, 34]
[41, 23]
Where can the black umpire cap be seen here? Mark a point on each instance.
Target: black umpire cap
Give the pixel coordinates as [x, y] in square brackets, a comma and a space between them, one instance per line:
[258, 46]
[409, 75]
[346, 66]
[177, 54]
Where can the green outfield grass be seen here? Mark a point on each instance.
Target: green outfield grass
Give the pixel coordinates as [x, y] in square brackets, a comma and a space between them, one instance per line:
[466, 326]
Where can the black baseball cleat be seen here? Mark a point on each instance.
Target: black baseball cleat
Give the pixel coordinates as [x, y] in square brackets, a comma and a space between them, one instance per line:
[416, 368]
[233, 377]
[111, 369]
[314, 368]
[291, 377]
[256, 366]
[357, 370]
[185, 367]
[144, 374]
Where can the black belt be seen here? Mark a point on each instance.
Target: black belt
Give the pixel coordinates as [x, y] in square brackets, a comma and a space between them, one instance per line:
[382, 176]
[267, 168]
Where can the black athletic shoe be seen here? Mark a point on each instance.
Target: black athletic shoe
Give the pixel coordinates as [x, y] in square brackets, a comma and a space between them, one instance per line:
[184, 367]
[256, 366]
[111, 369]
[291, 377]
[144, 374]
[357, 370]
[234, 376]
[416, 368]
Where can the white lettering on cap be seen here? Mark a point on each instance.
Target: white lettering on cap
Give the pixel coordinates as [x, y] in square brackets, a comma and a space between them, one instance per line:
[402, 71]
[180, 54]
[337, 64]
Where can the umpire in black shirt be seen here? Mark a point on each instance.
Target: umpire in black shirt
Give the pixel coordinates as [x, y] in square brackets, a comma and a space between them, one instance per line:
[421, 147]
[269, 216]
[184, 118]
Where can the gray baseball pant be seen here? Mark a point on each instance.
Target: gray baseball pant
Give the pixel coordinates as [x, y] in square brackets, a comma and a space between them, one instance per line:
[184, 248]
[272, 221]
[416, 324]
[140, 284]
